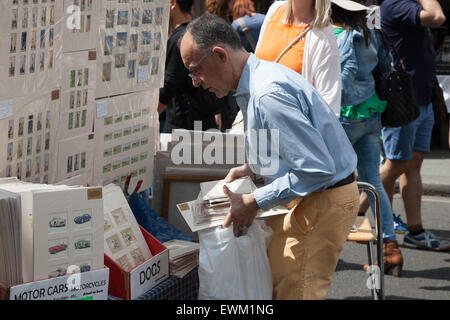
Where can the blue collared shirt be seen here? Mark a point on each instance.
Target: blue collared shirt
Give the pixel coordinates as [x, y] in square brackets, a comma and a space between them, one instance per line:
[313, 150]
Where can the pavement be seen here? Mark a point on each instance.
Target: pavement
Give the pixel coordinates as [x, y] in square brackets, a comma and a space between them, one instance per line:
[436, 173]
[426, 274]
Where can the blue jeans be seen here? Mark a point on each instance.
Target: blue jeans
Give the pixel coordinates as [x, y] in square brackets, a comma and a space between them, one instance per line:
[364, 134]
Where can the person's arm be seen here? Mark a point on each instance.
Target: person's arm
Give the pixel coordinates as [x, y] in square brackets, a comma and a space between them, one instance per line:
[218, 118]
[325, 70]
[161, 107]
[431, 14]
[301, 147]
[349, 62]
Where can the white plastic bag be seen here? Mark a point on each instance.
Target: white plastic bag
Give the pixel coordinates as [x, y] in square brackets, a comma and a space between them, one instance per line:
[235, 267]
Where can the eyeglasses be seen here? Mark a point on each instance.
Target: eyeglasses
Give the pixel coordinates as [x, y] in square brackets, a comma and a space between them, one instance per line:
[198, 64]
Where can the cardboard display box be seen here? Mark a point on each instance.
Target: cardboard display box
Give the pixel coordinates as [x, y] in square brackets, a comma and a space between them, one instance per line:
[128, 285]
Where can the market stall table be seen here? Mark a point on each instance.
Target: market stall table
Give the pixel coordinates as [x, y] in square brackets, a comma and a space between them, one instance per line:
[173, 288]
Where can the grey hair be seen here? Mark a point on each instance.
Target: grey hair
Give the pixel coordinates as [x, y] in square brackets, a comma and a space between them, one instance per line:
[209, 30]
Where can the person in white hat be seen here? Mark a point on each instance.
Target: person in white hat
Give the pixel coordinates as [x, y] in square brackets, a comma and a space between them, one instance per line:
[362, 50]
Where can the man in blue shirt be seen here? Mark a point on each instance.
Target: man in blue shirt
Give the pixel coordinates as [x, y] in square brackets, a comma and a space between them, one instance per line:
[314, 175]
[406, 22]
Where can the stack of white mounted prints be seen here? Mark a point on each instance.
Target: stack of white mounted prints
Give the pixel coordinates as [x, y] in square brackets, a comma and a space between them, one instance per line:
[124, 241]
[61, 229]
[183, 256]
[212, 205]
[10, 240]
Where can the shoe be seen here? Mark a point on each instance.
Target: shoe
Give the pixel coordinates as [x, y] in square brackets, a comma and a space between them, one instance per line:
[425, 240]
[399, 225]
[392, 259]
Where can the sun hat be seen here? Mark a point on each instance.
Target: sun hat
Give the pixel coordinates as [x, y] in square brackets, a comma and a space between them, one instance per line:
[350, 5]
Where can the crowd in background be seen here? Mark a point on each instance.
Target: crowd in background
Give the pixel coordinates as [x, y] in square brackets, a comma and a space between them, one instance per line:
[332, 46]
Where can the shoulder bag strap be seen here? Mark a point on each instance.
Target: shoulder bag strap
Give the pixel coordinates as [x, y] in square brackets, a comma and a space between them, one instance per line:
[247, 33]
[301, 35]
[387, 42]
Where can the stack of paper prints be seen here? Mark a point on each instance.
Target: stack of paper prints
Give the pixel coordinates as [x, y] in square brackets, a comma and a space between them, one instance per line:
[183, 256]
[62, 228]
[10, 239]
[123, 239]
[212, 203]
[211, 207]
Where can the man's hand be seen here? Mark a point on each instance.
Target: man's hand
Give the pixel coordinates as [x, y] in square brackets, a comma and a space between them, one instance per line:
[239, 172]
[242, 212]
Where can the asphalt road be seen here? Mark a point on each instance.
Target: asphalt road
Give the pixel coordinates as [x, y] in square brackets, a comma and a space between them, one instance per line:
[426, 274]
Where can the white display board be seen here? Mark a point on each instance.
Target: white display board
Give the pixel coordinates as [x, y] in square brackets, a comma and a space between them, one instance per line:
[125, 139]
[444, 82]
[68, 231]
[76, 159]
[30, 46]
[132, 46]
[77, 94]
[124, 241]
[28, 129]
[82, 20]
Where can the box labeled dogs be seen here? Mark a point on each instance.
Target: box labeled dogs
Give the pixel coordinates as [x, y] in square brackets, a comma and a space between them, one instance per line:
[142, 278]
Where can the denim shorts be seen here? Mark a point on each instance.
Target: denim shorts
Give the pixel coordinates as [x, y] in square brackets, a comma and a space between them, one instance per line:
[400, 142]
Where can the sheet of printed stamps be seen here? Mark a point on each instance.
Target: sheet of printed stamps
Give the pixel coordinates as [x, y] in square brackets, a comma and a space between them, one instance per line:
[67, 231]
[124, 241]
[77, 94]
[125, 139]
[82, 20]
[30, 46]
[132, 46]
[28, 129]
[76, 158]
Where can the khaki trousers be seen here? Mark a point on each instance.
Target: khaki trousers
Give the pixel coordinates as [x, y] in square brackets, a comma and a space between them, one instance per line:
[308, 240]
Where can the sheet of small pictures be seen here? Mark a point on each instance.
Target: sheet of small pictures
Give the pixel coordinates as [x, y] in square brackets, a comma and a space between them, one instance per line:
[77, 94]
[124, 241]
[28, 137]
[30, 46]
[82, 19]
[132, 46]
[76, 158]
[125, 139]
[68, 231]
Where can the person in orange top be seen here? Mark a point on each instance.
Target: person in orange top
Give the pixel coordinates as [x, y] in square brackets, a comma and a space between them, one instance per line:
[298, 34]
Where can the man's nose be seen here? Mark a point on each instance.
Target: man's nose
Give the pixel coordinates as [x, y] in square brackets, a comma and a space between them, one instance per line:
[196, 82]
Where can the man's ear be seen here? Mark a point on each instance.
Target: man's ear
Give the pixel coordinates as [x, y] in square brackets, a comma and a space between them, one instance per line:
[222, 53]
[173, 4]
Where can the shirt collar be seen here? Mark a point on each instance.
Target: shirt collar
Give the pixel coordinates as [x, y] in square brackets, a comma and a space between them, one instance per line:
[244, 82]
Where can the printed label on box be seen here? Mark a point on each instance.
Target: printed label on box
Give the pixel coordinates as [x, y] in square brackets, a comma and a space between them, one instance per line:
[70, 287]
[149, 274]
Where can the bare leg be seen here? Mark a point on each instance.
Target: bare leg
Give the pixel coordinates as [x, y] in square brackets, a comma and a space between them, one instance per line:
[411, 189]
[389, 172]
